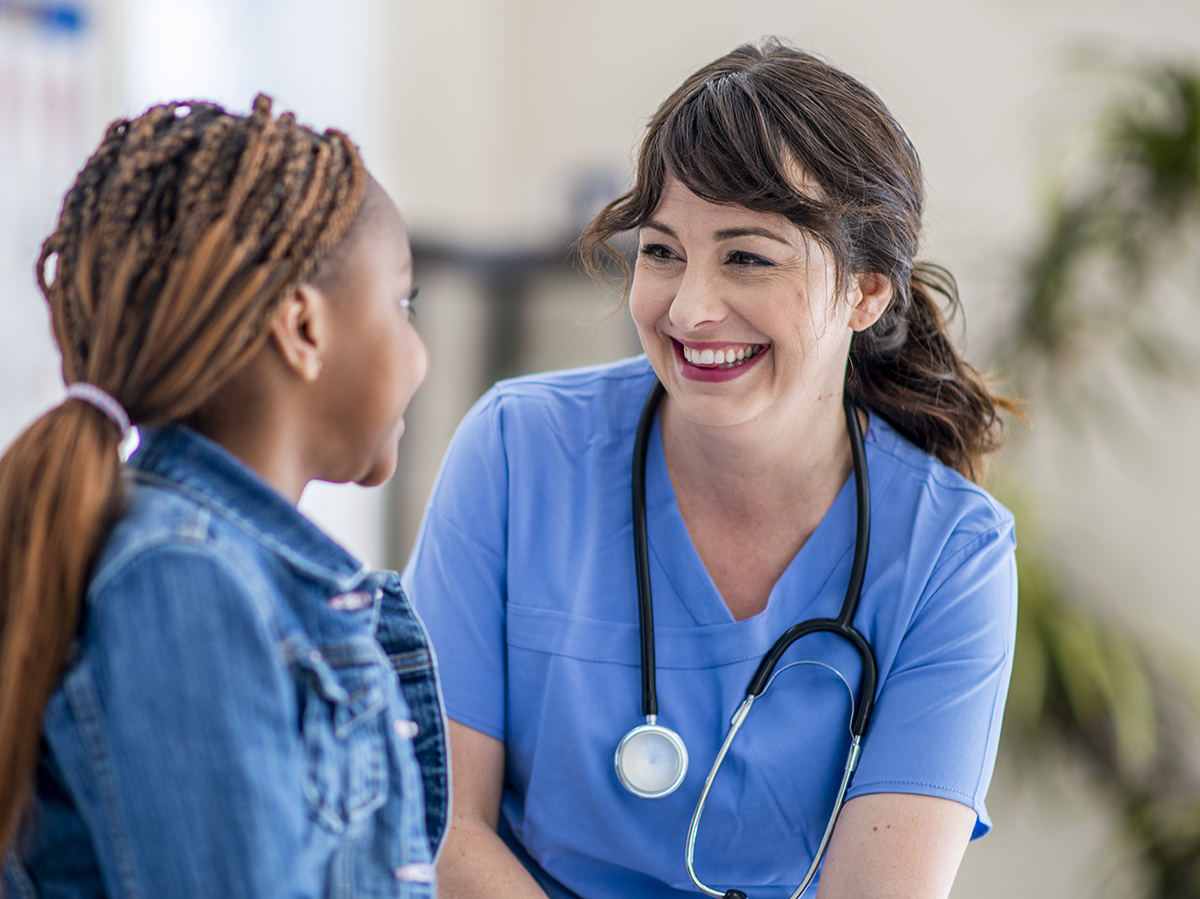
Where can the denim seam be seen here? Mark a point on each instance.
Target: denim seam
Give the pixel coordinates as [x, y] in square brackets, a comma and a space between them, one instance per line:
[192, 533]
[85, 708]
[444, 746]
[412, 662]
[341, 582]
[14, 874]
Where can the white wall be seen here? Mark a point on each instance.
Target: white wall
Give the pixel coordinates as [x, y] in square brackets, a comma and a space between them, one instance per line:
[54, 84]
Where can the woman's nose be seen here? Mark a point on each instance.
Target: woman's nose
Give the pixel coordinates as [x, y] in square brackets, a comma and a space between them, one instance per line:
[697, 302]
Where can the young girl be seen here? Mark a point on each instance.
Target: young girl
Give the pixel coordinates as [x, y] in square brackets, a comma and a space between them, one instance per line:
[198, 689]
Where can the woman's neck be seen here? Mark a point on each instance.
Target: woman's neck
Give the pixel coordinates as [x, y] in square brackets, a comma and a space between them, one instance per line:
[759, 465]
[752, 494]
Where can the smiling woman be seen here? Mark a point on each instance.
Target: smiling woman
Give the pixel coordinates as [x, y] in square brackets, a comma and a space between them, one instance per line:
[778, 209]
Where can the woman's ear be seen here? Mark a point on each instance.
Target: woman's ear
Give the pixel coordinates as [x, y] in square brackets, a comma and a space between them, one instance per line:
[300, 330]
[869, 297]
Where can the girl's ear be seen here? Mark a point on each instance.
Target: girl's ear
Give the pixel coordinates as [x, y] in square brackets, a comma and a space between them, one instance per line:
[869, 297]
[300, 330]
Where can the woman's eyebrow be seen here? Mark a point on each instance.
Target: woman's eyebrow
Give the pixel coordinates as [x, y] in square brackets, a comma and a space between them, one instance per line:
[729, 233]
[724, 233]
[659, 226]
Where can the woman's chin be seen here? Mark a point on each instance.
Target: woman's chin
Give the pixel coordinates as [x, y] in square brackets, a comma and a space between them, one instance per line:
[711, 411]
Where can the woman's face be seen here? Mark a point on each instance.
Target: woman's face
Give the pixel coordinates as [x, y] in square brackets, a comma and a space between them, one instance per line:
[376, 359]
[738, 312]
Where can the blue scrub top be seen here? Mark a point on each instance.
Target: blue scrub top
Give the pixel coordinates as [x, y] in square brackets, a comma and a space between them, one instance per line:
[524, 575]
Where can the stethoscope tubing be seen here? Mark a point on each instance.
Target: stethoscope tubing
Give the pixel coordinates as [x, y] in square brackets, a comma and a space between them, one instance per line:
[842, 626]
[641, 550]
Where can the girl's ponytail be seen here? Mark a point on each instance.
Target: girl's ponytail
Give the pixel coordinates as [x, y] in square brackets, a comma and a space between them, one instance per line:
[176, 242]
[60, 492]
[906, 368]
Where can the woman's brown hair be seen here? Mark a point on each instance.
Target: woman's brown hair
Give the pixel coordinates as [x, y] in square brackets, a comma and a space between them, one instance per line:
[175, 243]
[776, 130]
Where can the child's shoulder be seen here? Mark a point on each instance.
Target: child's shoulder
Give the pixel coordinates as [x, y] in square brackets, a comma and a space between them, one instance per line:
[169, 541]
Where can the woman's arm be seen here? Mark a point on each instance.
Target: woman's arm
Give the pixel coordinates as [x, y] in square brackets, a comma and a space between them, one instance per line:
[475, 862]
[896, 845]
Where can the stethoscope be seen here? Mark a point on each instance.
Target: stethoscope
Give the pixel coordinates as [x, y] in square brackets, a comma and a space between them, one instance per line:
[652, 760]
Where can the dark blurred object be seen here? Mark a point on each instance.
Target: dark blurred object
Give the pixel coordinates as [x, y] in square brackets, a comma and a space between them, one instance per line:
[506, 276]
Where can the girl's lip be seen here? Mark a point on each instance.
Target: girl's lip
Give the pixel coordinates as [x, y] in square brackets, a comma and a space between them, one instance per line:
[704, 373]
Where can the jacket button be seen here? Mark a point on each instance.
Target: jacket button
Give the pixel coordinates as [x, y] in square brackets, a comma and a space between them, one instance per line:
[405, 730]
[415, 872]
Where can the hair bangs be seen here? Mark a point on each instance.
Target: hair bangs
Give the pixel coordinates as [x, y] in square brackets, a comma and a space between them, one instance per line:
[725, 146]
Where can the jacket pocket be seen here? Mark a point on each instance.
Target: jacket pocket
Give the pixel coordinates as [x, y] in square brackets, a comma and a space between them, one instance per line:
[343, 698]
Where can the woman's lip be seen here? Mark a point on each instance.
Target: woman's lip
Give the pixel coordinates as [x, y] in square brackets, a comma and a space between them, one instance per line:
[712, 374]
[717, 344]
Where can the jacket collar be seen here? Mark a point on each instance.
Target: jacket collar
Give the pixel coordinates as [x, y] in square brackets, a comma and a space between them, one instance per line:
[177, 458]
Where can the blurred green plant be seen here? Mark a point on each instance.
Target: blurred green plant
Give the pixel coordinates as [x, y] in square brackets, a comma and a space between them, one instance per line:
[1116, 234]
[1119, 234]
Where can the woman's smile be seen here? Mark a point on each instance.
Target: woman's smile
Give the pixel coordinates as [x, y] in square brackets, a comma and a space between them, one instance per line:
[713, 361]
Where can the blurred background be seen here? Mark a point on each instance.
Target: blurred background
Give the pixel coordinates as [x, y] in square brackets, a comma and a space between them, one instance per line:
[500, 126]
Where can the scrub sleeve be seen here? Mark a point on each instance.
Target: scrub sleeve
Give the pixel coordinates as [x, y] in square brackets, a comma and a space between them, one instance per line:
[523, 573]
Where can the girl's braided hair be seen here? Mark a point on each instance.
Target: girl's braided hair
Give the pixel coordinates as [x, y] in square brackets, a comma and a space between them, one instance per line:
[175, 245]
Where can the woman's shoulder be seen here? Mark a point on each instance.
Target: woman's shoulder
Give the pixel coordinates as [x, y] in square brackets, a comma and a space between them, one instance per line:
[916, 485]
[576, 388]
[581, 407]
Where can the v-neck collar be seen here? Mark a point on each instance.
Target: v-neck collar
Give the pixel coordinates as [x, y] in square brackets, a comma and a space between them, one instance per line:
[828, 548]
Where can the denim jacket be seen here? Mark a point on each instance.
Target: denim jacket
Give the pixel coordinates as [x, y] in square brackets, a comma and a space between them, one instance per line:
[231, 722]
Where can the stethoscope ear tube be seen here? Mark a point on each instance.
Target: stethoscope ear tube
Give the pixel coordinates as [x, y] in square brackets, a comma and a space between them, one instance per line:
[641, 550]
[652, 760]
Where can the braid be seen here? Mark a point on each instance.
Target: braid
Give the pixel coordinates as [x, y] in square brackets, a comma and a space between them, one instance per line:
[173, 249]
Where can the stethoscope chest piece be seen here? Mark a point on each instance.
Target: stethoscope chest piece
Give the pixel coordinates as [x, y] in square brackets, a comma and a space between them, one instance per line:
[651, 760]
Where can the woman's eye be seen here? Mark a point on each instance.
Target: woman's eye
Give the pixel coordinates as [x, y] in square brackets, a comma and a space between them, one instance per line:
[741, 257]
[656, 251]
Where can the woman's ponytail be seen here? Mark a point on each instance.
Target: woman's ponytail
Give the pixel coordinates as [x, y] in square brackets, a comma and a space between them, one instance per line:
[176, 242]
[905, 367]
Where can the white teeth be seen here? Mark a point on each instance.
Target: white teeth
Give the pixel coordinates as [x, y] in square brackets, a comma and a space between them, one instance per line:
[726, 358]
